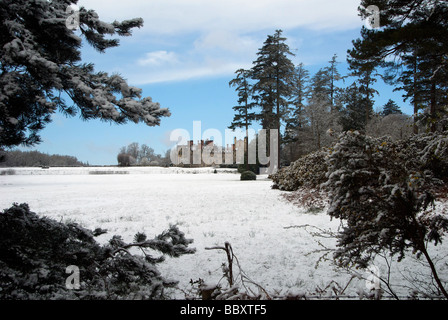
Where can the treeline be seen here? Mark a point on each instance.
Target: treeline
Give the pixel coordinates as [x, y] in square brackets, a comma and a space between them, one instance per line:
[17, 158]
[309, 109]
[143, 155]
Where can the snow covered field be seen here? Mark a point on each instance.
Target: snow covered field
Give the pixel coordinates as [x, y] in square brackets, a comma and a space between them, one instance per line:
[210, 208]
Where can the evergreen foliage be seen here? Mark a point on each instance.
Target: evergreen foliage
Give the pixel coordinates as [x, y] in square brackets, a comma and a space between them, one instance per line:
[40, 60]
[357, 110]
[248, 175]
[255, 168]
[243, 117]
[308, 172]
[272, 73]
[391, 108]
[35, 253]
[382, 192]
[412, 44]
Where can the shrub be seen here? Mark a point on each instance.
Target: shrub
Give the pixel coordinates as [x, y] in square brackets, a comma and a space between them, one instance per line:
[308, 171]
[35, 253]
[255, 168]
[248, 175]
[383, 192]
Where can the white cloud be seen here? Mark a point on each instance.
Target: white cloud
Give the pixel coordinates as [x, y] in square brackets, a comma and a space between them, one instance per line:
[188, 70]
[158, 58]
[226, 41]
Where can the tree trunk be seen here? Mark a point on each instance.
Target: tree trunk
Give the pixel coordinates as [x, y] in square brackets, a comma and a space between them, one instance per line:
[278, 116]
[246, 141]
[433, 108]
[434, 271]
[415, 98]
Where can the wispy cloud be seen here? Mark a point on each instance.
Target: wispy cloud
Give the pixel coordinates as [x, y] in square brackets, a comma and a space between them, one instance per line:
[186, 71]
[158, 58]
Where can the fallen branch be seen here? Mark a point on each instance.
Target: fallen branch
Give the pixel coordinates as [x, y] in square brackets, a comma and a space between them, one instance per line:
[243, 277]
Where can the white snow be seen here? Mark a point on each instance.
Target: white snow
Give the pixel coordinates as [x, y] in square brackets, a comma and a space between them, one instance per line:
[210, 208]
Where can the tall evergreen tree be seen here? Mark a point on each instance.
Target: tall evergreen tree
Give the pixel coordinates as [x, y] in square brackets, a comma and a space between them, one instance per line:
[333, 76]
[273, 72]
[243, 117]
[40, 59]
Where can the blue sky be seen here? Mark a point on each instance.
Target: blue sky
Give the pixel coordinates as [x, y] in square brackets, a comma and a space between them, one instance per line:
[186, 54]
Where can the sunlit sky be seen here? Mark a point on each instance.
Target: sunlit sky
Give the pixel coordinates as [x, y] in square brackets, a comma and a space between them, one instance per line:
[187, 52]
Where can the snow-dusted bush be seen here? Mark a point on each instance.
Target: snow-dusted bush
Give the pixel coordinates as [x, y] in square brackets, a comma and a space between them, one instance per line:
[381, 191]
[255, 168]
[308, 171]
[248, 175]
[427, 153]
[35, 253]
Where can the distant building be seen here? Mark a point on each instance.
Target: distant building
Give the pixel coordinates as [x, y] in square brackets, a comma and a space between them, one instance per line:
[206, 153]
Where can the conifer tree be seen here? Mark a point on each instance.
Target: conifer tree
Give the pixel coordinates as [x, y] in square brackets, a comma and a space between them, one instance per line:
[333, 76]
[40, 60]
[243, 117]
[272, 73]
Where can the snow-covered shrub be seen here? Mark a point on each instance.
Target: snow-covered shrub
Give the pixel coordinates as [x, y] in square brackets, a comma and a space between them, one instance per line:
[255, 168]
[308, 171]
[426, 152]
[35, 253]
[248, 175]
[381, 191]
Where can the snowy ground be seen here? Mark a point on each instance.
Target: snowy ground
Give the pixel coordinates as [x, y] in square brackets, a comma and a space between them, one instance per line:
[210, 208]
